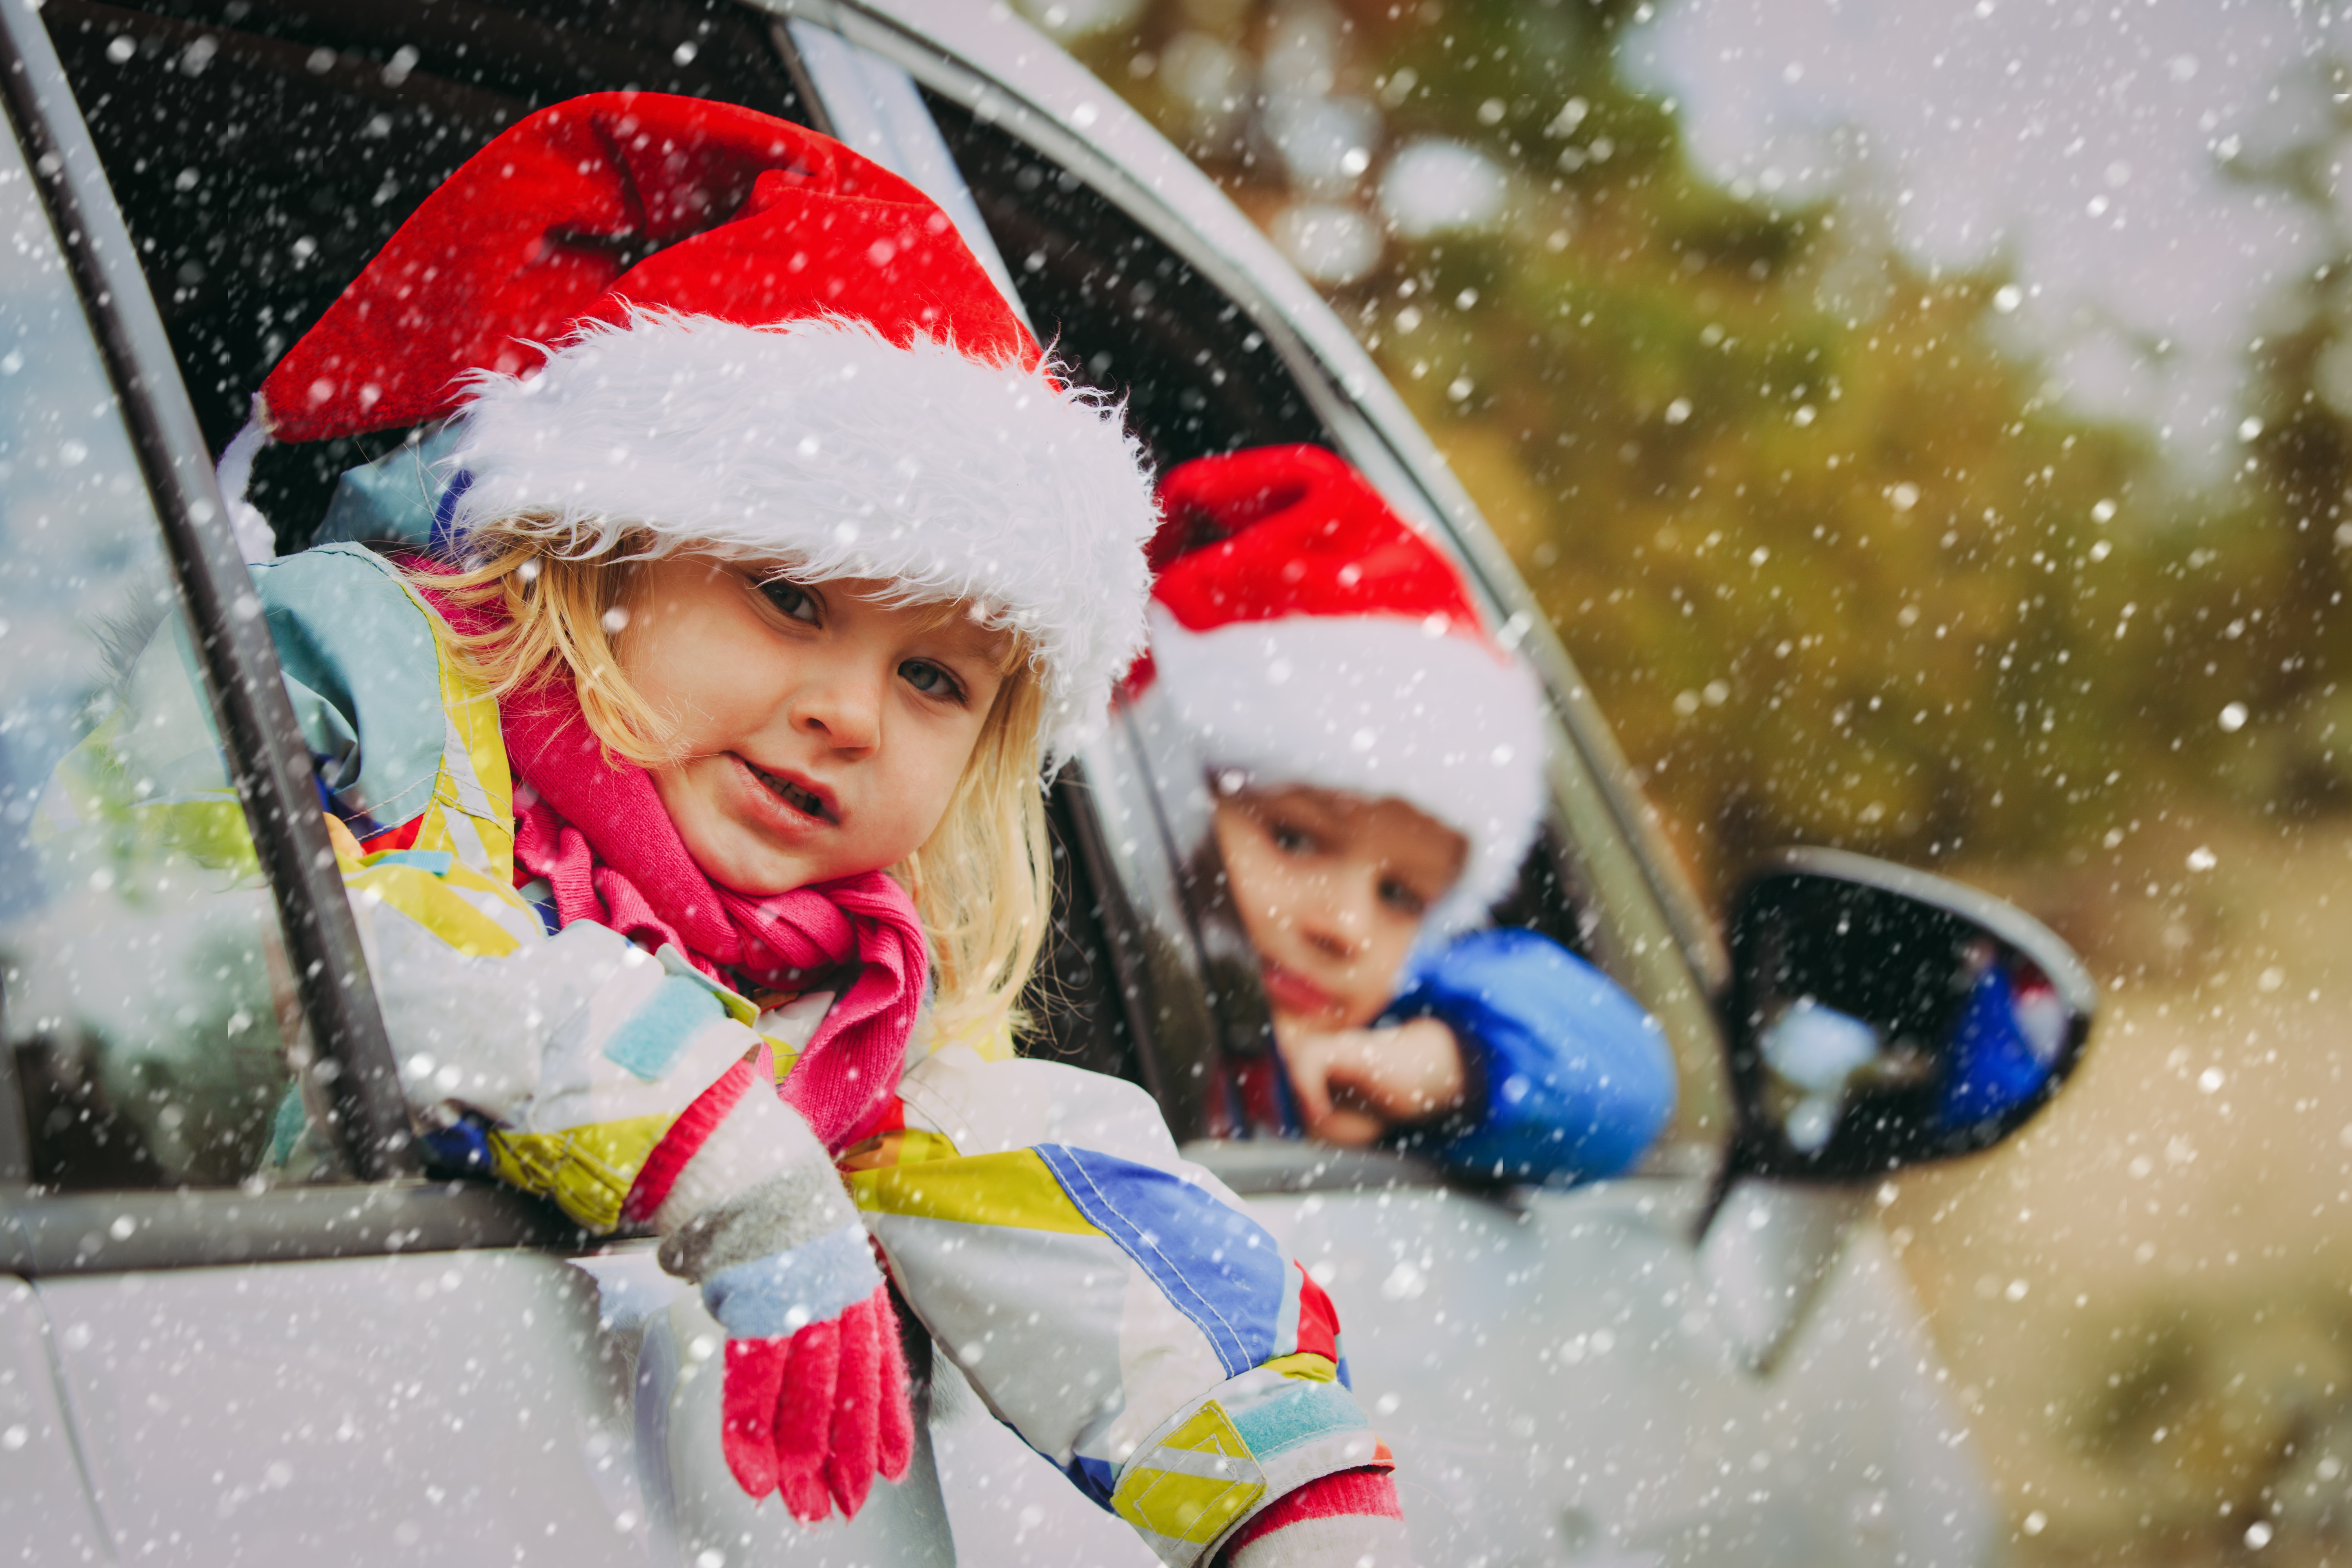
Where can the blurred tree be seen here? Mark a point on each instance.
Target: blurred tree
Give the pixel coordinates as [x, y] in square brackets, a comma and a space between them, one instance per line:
[1837, 569]
[2299, 435]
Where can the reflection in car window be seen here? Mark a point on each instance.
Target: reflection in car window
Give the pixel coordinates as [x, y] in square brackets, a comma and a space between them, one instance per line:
[140, 985]
[262, 153]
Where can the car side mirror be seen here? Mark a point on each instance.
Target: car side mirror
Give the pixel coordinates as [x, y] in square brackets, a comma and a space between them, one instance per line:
[1880, 1016]
[1877, 1018]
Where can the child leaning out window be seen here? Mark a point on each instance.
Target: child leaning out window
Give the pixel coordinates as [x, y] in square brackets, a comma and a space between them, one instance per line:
[1376, 763]
[680, 694]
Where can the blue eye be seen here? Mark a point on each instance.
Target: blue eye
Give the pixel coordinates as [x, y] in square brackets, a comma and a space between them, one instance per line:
[1291, 840]
[794, 600]
[930, 679]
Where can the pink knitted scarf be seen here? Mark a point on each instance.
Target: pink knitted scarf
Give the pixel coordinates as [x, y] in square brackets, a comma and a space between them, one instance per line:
[598, 833]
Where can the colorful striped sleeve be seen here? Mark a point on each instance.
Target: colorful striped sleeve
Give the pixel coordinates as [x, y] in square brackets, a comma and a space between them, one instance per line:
[1122, 1311]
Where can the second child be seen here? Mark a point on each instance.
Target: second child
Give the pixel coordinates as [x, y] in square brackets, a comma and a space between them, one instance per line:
[1376, 765]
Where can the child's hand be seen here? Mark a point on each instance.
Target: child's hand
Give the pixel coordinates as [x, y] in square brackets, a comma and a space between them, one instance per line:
[1355, 1084]
[816, 1401]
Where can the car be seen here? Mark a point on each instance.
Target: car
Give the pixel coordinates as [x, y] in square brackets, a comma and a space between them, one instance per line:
[239, 1321]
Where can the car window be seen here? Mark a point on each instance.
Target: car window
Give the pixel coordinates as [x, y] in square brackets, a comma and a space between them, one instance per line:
[1126, 313]
[142, 985]
[262, 153]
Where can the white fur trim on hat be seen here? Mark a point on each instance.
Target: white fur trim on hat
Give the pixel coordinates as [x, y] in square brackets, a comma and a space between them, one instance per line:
[1374, 705]
[824, 446]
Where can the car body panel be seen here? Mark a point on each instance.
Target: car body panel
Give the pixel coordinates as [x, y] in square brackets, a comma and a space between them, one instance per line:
[376, 1410]
[1552, 1373]
[45, 1512]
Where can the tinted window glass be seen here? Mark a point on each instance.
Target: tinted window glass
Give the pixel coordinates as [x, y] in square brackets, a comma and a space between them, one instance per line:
[263, 153]
[141, 981]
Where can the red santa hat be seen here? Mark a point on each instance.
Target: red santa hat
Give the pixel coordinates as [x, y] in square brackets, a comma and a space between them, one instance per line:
[1301, 633]
[657, 313]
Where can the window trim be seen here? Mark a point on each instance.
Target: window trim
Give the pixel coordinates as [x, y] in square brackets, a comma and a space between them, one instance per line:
[127, 1232]
[353, 1060]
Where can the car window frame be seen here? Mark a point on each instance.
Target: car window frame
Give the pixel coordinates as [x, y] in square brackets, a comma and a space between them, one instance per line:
[242, 680]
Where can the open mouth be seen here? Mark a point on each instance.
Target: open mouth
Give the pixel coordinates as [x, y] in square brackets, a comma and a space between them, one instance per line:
[800, 797]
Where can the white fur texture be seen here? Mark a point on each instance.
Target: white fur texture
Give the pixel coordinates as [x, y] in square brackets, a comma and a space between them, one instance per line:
[1375, 706]
[823, 447]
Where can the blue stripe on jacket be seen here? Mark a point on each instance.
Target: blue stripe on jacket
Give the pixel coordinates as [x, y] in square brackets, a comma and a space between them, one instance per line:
[1219, 1268]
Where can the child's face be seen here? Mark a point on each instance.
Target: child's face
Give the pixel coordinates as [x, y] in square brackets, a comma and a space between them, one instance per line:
[1331, 889]
[819, 734]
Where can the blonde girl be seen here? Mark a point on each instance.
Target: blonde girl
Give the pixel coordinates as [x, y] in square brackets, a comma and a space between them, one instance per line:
[681, 695]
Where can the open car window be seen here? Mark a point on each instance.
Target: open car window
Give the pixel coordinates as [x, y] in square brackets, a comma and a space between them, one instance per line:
[144, 993]
[1126, 313]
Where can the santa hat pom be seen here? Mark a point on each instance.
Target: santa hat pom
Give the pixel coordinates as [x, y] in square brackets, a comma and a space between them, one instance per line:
[1301, 633]
[691, 320]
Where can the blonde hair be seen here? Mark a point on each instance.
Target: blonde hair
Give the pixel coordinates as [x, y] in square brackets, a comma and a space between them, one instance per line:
[981, 883]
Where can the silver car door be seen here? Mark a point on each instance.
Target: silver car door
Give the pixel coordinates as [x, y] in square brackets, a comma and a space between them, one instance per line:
[45, 1503]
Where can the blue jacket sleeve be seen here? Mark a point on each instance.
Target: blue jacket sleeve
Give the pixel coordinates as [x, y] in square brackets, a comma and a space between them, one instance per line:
[1572, 1078]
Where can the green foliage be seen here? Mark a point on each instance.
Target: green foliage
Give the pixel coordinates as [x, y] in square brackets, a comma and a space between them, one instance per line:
[1836, 568]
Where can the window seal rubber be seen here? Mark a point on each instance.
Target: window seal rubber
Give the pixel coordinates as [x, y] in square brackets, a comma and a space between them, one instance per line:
[45, 1235]
[353, 1062]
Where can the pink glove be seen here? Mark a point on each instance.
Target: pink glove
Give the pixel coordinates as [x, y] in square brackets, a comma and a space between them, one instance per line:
[814, 1417]
[750, 1208]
